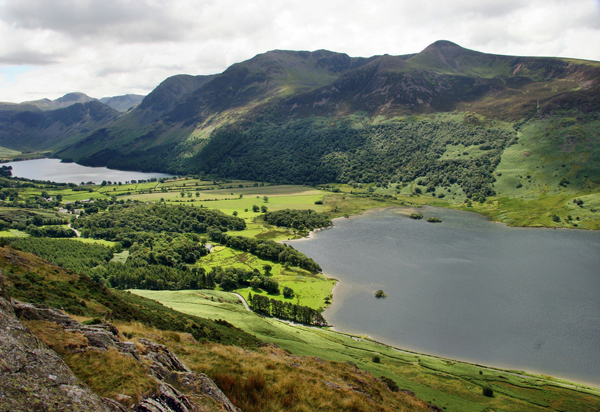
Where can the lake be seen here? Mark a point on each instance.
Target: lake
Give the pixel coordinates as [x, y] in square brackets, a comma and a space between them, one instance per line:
[468, 289]
[55, 171]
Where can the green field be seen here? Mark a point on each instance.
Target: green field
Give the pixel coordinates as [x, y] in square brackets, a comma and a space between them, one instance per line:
[96, 241]
[6, 153]
[311, 290]
[452, 385]
[13, 233]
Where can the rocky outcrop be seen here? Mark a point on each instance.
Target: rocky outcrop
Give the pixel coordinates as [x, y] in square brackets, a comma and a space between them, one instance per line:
[34, 378]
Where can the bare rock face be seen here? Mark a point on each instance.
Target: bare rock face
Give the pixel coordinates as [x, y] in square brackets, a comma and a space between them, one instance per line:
[34, 378]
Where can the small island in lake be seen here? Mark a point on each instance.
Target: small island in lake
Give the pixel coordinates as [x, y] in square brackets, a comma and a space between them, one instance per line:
[380, 294]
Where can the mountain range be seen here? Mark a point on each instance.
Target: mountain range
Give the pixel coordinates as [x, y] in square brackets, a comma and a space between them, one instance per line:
[316, 117]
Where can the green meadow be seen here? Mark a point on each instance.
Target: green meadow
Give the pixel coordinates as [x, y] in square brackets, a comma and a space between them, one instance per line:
[449, 384]
[310, 289]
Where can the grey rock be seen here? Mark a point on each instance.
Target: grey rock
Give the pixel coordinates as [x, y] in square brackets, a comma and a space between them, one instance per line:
[32, 376]
[167, 400]
[200, 383]
[163, 357]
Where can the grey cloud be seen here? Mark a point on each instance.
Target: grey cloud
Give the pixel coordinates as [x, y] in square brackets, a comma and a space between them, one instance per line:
[128, 20]
[28, 57]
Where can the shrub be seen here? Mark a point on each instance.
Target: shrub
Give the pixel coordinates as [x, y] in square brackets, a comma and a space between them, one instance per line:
[416, 216]
[376, 359]
[488, 391]
[390, 384]
[288, 292]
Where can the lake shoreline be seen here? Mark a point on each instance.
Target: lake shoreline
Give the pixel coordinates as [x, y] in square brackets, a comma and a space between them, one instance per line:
[54, 170]
[337, 301]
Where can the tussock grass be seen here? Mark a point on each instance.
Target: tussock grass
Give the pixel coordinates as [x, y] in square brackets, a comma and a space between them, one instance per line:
[110, 373]
[107, 373]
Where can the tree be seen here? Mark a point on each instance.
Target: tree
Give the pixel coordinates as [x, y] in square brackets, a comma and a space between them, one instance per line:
[288, 292]
[488, 391]
[271, 285]
[266, 199]
[263, 209]
[255, 208]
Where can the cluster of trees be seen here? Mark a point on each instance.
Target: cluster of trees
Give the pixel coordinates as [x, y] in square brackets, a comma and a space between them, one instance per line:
[286, 310]
[307, 151]
[50, 231]
[5, 171]
[94, 261]
[77, 256]
[266, 249]
[153, 277]
[124, 220]
[298, 219]
[234, 278]
[21, 219]
[168, 250]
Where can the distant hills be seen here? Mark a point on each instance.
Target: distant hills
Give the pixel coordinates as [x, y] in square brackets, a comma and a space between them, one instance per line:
[119, 103]
[315, 117]
[123, 103]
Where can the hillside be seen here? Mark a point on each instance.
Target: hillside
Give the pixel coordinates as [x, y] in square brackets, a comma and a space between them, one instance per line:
[32, 129]
[136, 362]
[122, 103]
[446, 120]
[67, 100]
[118, 351]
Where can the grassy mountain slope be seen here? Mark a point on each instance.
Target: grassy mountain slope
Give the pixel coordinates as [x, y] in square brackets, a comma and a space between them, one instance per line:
[67, 100]
[179, 114]
[278, 88]
[255, 378]
[317, 117]
[122, 103]
[41, 130]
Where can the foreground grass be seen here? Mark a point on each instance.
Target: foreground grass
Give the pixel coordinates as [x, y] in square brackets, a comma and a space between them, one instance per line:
[455, 386]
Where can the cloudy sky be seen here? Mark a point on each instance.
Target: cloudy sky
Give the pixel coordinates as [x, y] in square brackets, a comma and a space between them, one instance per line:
[112, 47]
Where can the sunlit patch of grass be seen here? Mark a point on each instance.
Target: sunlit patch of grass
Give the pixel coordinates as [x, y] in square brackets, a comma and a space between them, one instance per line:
[96, 241]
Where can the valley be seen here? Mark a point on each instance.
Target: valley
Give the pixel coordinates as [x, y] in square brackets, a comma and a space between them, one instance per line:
[236, 167]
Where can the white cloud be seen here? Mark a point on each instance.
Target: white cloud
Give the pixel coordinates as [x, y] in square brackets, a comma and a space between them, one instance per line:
[110, 47]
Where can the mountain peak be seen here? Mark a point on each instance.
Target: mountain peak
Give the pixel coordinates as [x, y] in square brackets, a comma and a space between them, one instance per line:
[442, 44]
[75, 97]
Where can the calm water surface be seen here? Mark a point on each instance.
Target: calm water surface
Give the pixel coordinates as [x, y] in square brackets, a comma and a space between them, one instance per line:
[468, 289]
[55, 171]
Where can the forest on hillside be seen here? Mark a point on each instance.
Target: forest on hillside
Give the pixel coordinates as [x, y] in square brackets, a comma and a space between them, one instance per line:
[312, 152]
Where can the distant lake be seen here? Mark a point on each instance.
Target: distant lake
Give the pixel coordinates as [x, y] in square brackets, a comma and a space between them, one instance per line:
[468, 289]
[55, 171]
